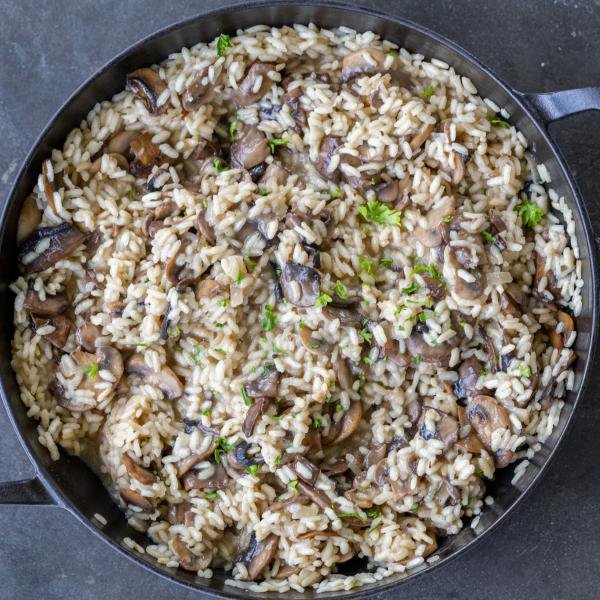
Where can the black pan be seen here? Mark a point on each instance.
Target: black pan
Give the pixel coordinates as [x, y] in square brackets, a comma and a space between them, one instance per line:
[69, 483]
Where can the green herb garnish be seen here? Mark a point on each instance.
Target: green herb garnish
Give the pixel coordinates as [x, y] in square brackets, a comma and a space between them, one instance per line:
[340, 290]
[498, 121]
[427, 92]
[222, 446]
[245, 397]
[223, 42]
[323, 299]
[253, 470]
[269, 319]
[233, 127]
[479, 473]
[414, 508]
[447, 219]
[262, 192]
[294, 485]
[417, 359]
[274, 142]
[378, 212]
[317, 423]
[239, 278]
[91, 370]
[365, 265]
[386, 262]
[525, 371]
[224, 302]
[278, 459]
[366, 335]
[531, 214]
[339, 407]
[488, 237]
[220, 165]
[335, 193]
[411, 289]
[212, 495]
[432, 270]
[372, 513]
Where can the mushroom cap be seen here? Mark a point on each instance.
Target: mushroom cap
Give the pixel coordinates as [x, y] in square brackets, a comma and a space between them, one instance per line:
[147, 85]
[306, 278]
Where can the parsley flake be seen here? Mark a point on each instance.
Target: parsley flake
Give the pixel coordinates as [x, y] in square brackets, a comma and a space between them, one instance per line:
[223, 42]
[531, 214]
[488, 237]
[245, 397]
[498, 122]
[253, 470]
[212, 495]
[341, 291]
[91, 370]
[323, 299]
[411, 289]
[220, 165]
[274, 142]
[378, 212]
[427, 92]
[269, 320]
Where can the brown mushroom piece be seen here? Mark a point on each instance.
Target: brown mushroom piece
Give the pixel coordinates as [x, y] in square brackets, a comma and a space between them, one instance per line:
[337, 467]
[181, 514]
[188, 560]
[313, 344]
[292, 99]
[366, 61]
[106, 358]
[121, 161]
[329, 146]
[130, 496]
[51, 306]
[458, 171]
[446, 427]
[286, 571]
[189, 462]
[239, 460]
[468, 375]
[314, 495]
[265, 385]
[205, 229]
[29, 219]
[139, 473]
[166, 380]
[568, 326]
[120, 142]
[346, 316]
[376, 453]
[490, 348]
[343, 374]
[486, 415]
[258, 555]
[217, 481]
[146, 155]
[438, 355]
[469, 290]
[147, 85]
[199, 91]
[391, 351]
[62, 327]
[350, 421]
[305, 470]
[387, 191]
[207, 288]
[275, 173]
[86, 336]
[48, 245]
[255, 412]
[436, 231]
[300, 285]
[249, 149]
[254, 86]
[419, 139]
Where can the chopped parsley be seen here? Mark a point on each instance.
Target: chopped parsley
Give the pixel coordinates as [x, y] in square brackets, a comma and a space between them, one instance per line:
[323, 299]
[262, 192]
[368, 360]
[372, 513]
[488, 237]
[220, 325]
[274, 142]
[531, 214]
[378, 212]
[222, 446]
[247, 400]
[175, 332]
[239, 278]
[253, 470]
[294, 485]
[278, 459]
[366, 266]
[335, 193]
[411, 289]
[233, 127]
[223, 42]
[212, 495]
[392, 53]
[224, 302]
[131, 194]
[220, 165]
[417, 359]
[447, 219]
[498, 122]
[317, 423]
[221, 351]
[142, 344]
[269, 319]
[366, 335]
[351, 515]
[414, 508]
[525, 371]
[427, 92]
[207, 412]
[479, 473]
[340, 290]
[432, 270]
[386, 262]
[91, 370]
[339, 407]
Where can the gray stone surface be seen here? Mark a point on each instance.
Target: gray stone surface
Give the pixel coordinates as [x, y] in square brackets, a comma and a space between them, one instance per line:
[549, 547]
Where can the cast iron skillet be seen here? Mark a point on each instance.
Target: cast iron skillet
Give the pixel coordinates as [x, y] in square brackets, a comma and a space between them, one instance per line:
[69, 483]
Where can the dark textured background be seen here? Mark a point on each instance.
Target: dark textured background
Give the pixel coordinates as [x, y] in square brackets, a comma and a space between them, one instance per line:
[549, 547]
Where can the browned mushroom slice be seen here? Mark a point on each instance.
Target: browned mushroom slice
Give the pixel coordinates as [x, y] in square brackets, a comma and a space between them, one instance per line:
[207, 288]
[275, 173]
[217, 481]
[314, 495]
[121, 161]
[198, 92]
[165, 379]
[141, 474]
[470, 290]
[254, 86]
[377, 453]
[189, 560]
[265, 385]
[419, 139]
[258, 555]
[305, 470]
[486, 415]
[29, 218]
[346, 316]
[48, 245]
[337, 467]
[48, 186]
[366, 61]
[446, 428]
[106, 358]
[51, 306]
[432, 546]
[313, 344]
[204, 229]
[458, 170]
[300, 285]
[86, 336]
[239, 460]
[249, 149]
[147, 155]
[491, 350]
[181, 514]
[343, 374]
[255, 412]
[165, 209]
[568, 325]
[437, 355]
[73, 404]
[350, 421]
[147, 85]
[286, 571]
[388, 191]
[120, 142]
[136, 499]
[62, 327]
[363, 498]
[279, 506]
[189, 462]
[391, 351]
[329, 146]
[292, 99]
[436, 231]
[468, 375]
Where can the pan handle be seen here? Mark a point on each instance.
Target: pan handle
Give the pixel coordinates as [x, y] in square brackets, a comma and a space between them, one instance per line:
[27, 492]
[552, 106]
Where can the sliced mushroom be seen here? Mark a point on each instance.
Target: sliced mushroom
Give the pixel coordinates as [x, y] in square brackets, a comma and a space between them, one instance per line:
[250, 149]
[458, 171]
[350, 421]
[391, 351]
[388, 191]
[189, 560]
[265, 385]
[181, 514]
[436, 231]
[217, 481]
[300, 285]
[446, 427]
[329, 146]
[29, 219]
[106, 358]
[147, 85]
[259, 554]
[377, 453]
[51, 306]
[568, 326]
[468, 375]
[254, 86]
[189, 462]
[438, 355]
[491, 350]
[86, 336]
[198, 92]
[486, 415]
[470, 290]
[337, 467]
[343, 374]
[56, 243]
[239, 460]
[346, 316]
[292, 99]
[314, 495]
[275, 173]
[366, 61]
[255, 412]
[286, 571]
[146, 155]
[141, 474]
[313, 344]
[419, 139]
[165, 379]
[305, 470]
[121, 161]
[132, 497]
[62, 327]
[205, 229]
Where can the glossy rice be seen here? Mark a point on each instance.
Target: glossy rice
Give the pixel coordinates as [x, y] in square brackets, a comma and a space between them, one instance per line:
[302, 311]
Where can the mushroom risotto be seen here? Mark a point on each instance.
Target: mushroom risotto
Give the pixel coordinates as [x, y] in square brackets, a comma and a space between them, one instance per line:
[295, 295]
